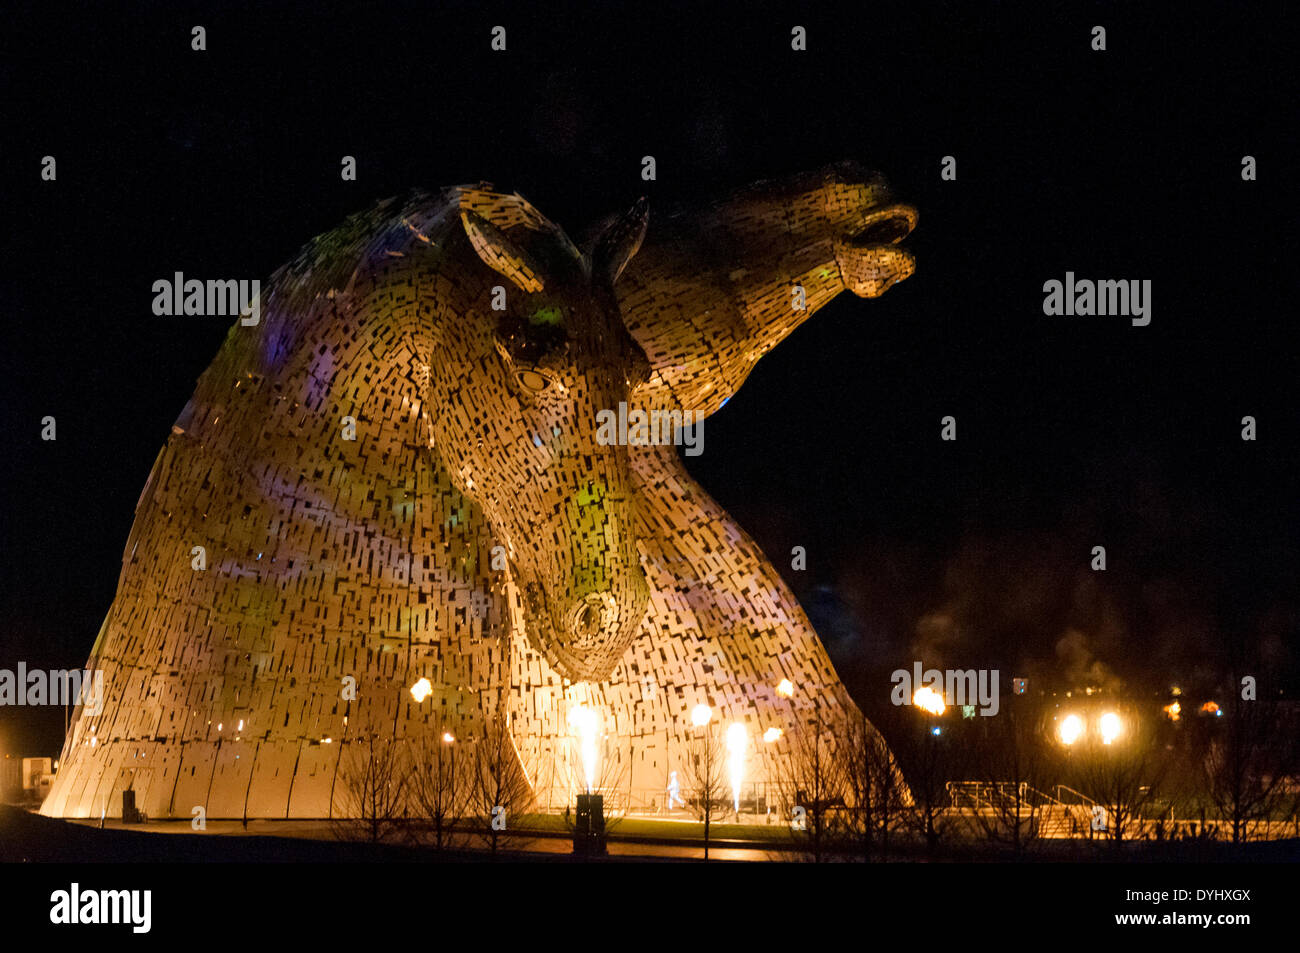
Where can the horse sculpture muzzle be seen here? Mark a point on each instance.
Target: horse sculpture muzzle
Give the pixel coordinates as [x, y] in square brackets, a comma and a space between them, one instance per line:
[584, 619]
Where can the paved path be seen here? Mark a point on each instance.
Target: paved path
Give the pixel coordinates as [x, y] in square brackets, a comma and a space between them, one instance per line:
[541, 843]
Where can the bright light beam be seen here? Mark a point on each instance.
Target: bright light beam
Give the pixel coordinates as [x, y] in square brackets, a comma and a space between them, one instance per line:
[736, 744]
[586, 723]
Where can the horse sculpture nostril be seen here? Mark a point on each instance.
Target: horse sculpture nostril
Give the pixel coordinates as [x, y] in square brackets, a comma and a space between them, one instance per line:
[592, 616]
[887, 232]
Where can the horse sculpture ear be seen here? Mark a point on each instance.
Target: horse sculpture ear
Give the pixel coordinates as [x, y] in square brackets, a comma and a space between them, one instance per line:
[500, 253]
[620, 241]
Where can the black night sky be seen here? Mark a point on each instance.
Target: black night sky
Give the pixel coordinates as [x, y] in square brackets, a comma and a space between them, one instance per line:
[1072, 431]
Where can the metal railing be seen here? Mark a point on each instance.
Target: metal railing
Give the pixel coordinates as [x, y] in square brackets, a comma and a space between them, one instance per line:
[1064, 790]
[756, 798]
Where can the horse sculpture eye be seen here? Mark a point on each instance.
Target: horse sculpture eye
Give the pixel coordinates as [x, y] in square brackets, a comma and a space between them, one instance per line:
[533, 380]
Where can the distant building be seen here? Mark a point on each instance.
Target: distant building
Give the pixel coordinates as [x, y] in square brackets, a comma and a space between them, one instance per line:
[11, 777]
[37, 775]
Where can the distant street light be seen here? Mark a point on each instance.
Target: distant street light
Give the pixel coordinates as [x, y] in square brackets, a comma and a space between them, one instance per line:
[1111, 727]
[1071, 729]
[929, 700]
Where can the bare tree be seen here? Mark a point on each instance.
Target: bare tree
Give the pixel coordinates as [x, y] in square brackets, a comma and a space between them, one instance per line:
[876, 791]
[499, 783]
[929, 762]
[1123, 777]
[441, 787]
[1251, 752]
[1011, 771]
[705, 774]
[814, 783]
[374, 776]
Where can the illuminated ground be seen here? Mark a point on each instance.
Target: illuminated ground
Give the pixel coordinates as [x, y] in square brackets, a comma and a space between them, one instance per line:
[28, 837]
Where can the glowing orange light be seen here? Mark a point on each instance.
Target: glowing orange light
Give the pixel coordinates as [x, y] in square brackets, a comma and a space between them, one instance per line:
[1071, 729]
[1111, 727]
[1209, 708]
[1174, 711]
[928, 700]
